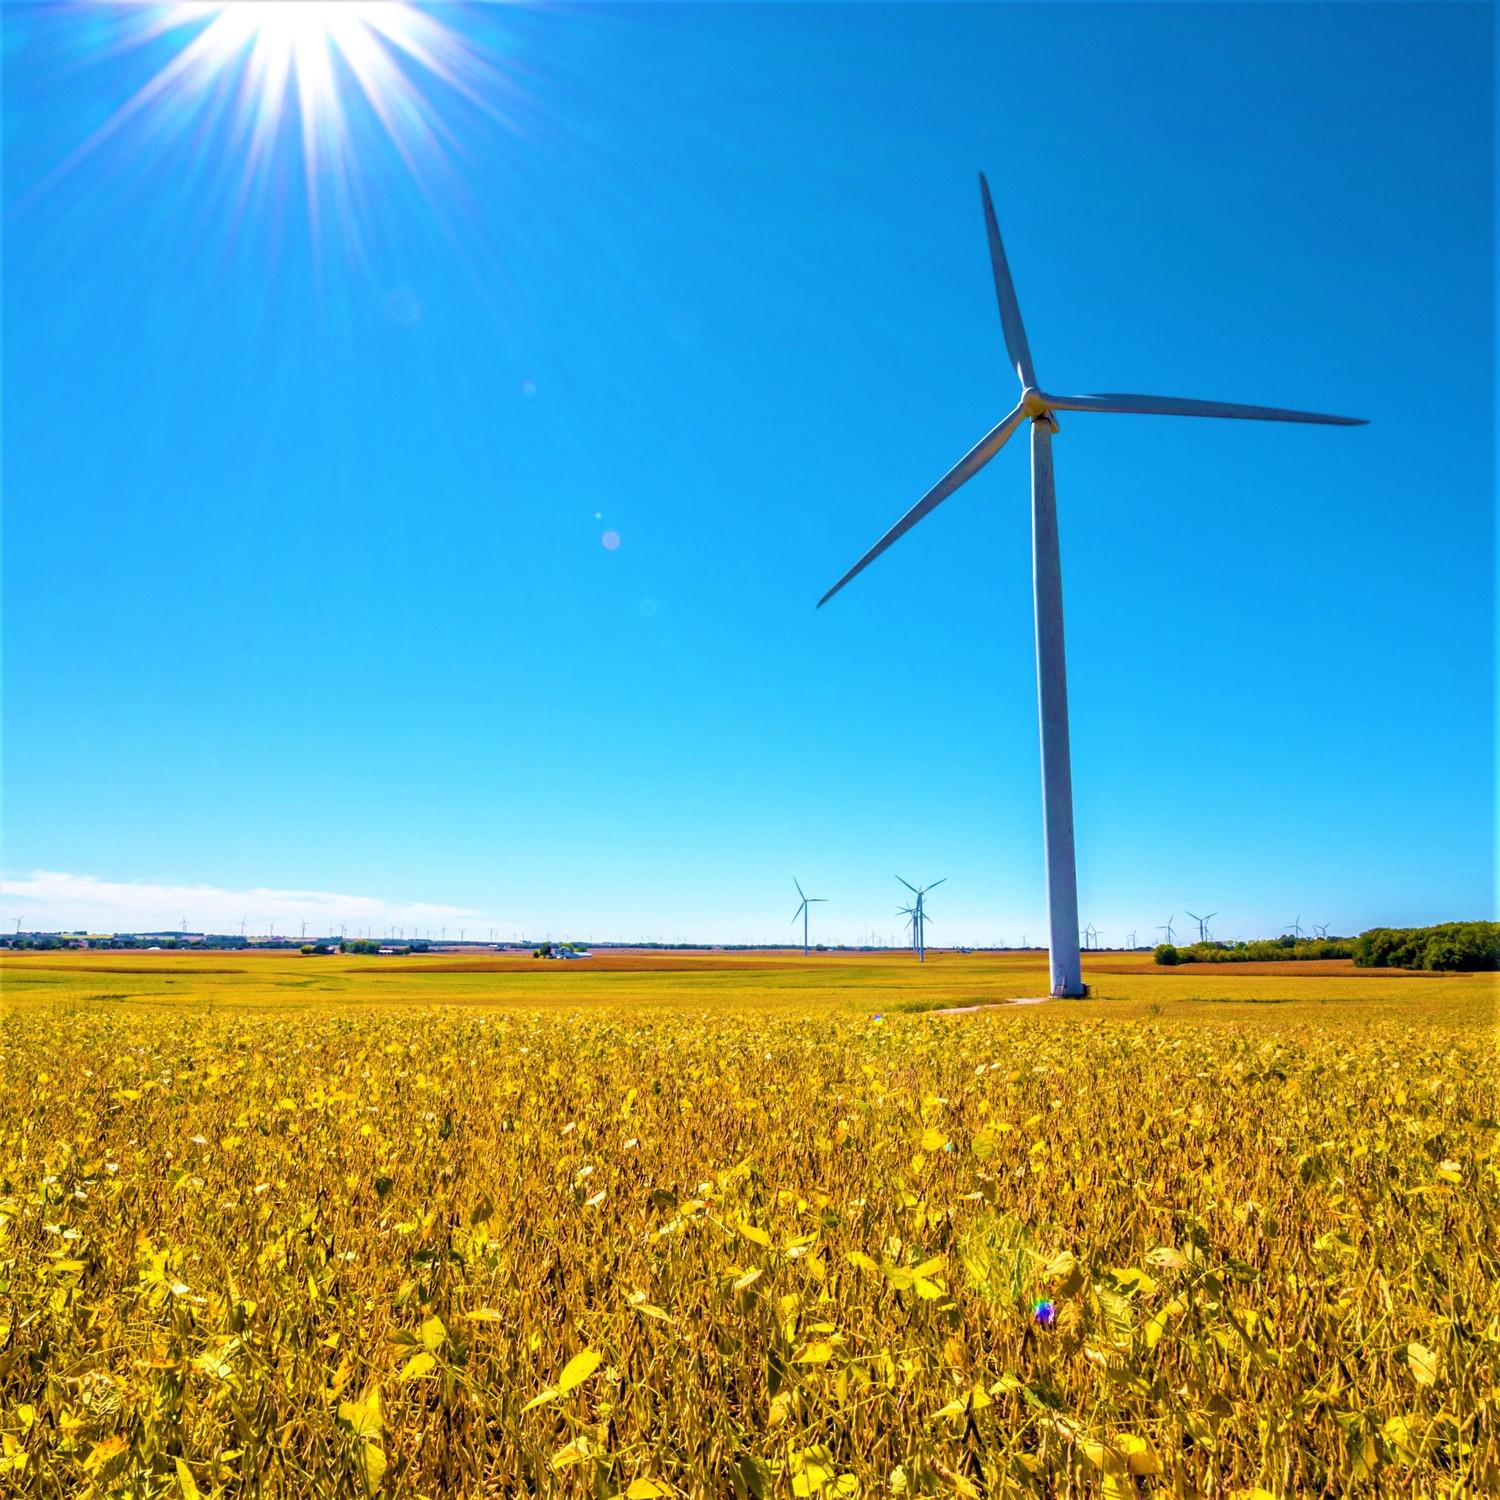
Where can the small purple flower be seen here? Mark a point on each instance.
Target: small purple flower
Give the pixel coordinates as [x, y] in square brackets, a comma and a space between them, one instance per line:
[1044, 1312]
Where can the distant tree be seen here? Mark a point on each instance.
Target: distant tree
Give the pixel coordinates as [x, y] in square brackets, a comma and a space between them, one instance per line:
[1166, 953]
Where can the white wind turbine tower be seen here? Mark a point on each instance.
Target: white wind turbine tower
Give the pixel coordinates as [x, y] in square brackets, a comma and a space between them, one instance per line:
[802, 912]
[1202, 924]
[1039, 409]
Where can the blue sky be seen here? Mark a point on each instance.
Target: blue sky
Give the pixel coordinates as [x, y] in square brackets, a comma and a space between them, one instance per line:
[306, 583]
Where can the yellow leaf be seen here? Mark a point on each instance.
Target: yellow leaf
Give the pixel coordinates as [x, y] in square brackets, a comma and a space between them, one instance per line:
[1140, 1456]
[1065, 1274]
[819, 1352]
[644, 1489]
[1449, 1171]
[185, 1482]
[748, 1279]
[577, 1370]
[860, 1260]
[371, 1460]
[933, 1140]
[483, 1315]
[1166, 1258]
[103, 1452]
[750, 1232]
[546, 1396]
[1422, 1363]
[418, 1365]
[571, 1453]
[434, 1334]
[362, 1417]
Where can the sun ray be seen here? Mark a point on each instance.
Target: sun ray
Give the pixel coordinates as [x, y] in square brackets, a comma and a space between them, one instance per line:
[302, 64]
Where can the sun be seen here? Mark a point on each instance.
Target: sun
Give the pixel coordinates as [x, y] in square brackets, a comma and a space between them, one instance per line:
[257, 70]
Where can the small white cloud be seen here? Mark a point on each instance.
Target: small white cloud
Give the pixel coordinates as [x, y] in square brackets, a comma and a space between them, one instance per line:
[53, 900]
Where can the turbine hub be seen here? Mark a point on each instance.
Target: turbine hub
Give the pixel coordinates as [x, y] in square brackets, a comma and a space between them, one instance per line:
[1036, 406]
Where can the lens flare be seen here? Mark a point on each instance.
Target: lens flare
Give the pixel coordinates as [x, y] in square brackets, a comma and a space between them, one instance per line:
[253, 68]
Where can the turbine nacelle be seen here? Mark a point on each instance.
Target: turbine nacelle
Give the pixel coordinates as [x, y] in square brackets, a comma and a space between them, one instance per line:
[1037, 406]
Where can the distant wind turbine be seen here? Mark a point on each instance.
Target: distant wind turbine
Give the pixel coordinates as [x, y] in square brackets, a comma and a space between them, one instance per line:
[1321, 928]
[802, 912]
[1202, 924]
[1039, 409]
[1166, 927]
[918, 914]
[1297, 925]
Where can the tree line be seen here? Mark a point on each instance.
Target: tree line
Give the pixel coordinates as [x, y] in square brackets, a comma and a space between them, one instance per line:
[1257, 950]
[1448, 946]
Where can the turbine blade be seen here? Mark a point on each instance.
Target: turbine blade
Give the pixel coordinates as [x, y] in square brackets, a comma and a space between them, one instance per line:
[908, 885]
[1178, 406]
[1005, 293]
[936, 883]
[968, 466]
[798, 884]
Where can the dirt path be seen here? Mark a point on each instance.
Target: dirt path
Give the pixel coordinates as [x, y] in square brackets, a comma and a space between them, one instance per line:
[968, 1010]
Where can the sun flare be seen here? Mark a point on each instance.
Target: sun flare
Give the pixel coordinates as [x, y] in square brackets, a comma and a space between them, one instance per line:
[328, 70]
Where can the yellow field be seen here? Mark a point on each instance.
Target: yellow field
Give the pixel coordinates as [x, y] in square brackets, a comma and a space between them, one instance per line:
[704, 1225]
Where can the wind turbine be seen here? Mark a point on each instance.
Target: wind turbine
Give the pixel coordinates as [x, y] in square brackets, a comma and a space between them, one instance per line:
[910, 913]
[1132, 942]
[802, 912]
[1202, 924]
[1039, 409]
[918, 914]
[1321, 928]
[1166, 927]
[1297, 925]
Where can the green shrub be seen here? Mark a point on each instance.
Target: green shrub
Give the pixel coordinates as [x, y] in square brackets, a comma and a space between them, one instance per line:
[1166, 953]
